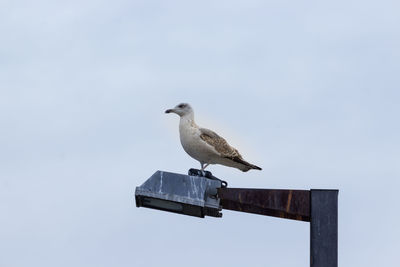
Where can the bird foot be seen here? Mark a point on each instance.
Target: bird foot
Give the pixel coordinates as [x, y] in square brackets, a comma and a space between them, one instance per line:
[201, 173]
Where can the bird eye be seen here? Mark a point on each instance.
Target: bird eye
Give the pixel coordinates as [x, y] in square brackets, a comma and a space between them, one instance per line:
[181, 106]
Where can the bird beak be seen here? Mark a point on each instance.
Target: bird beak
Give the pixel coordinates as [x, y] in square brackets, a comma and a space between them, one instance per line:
[169, 111]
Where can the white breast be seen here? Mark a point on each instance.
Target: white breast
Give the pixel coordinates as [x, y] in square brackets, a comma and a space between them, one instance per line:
[192, 143]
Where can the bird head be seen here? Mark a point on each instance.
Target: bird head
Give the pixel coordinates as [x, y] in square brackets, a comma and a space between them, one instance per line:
[181, 109]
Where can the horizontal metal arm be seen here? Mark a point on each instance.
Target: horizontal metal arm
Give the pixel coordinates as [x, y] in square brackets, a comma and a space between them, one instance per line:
[289, 204]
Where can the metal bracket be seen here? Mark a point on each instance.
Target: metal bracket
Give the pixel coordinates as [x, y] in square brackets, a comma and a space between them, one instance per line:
[206, 174]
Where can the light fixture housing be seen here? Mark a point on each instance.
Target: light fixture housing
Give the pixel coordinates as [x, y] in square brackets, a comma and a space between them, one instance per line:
[184, 194]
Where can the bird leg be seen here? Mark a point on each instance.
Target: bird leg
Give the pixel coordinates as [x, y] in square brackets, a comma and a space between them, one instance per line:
[202, 168]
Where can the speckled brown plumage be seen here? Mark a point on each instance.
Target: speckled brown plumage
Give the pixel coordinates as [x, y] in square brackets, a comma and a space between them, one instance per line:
[222, 147]
[219, 144]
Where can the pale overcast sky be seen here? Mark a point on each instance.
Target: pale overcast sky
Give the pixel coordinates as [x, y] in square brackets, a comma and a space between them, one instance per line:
[308, 90]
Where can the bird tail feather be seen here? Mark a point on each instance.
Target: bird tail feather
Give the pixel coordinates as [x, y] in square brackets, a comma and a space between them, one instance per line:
[246, 165]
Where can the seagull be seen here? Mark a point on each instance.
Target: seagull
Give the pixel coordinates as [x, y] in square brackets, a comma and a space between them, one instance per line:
[205, 145]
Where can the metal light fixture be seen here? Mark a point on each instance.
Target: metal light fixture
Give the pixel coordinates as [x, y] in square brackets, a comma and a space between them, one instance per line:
[185, 194]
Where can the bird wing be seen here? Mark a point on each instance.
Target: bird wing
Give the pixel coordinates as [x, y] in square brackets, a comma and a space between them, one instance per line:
[219, 144]
[225, 150]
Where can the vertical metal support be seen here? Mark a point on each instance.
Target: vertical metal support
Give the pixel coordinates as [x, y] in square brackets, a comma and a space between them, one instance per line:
[324, 228]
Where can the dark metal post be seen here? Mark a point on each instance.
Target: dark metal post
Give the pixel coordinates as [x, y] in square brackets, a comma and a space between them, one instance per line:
[324, 228]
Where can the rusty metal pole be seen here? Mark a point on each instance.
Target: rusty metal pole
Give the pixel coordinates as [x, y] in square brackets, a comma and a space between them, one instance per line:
[282, 203]
[317, 206]
[324, 228]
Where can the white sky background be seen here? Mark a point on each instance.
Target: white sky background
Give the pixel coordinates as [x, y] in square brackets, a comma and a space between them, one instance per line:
[307, 90]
